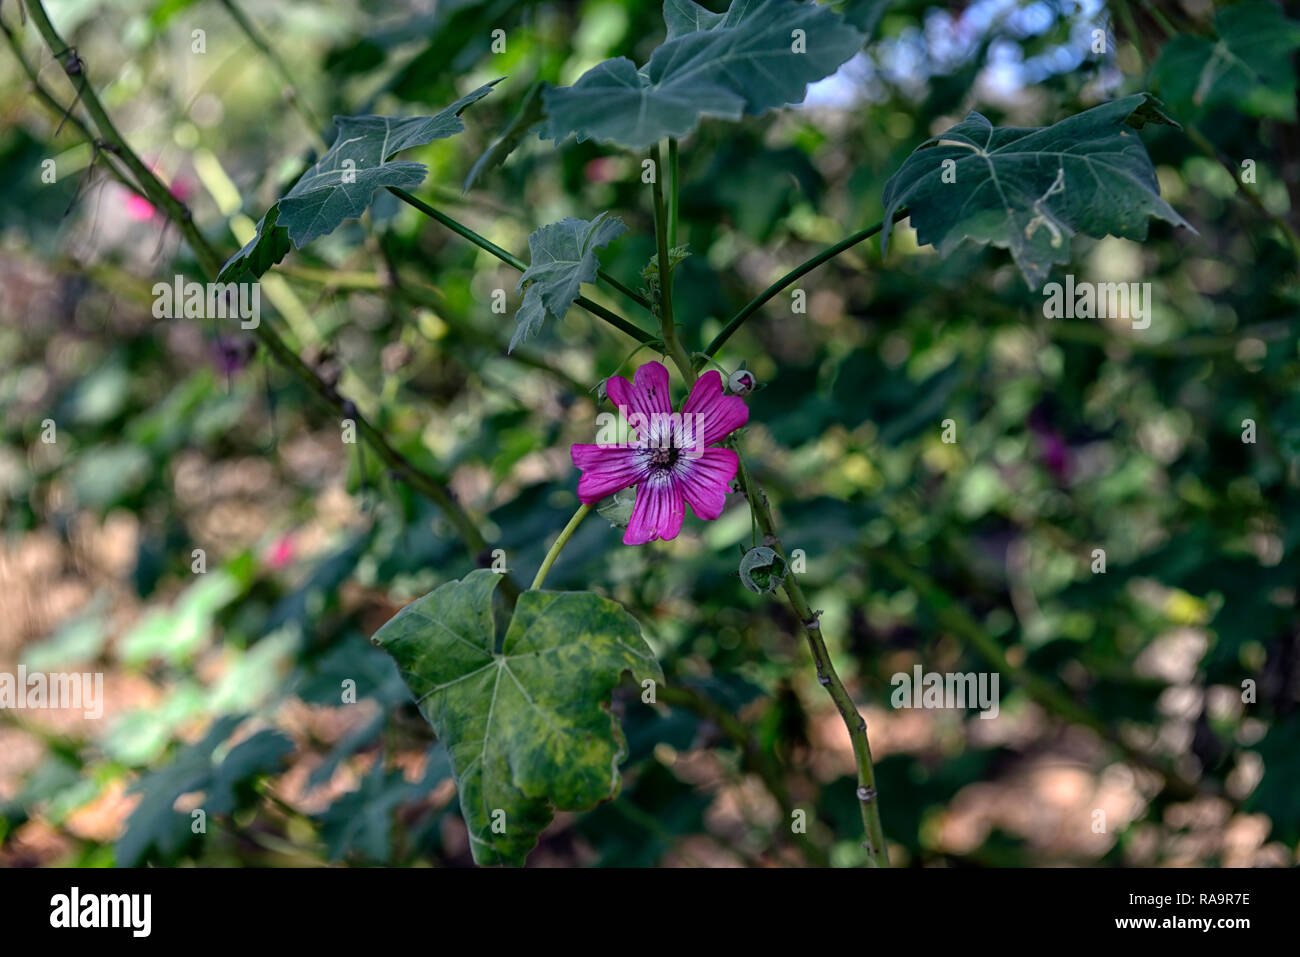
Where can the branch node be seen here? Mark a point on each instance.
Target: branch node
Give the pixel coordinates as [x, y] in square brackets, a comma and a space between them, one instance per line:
[72, 64]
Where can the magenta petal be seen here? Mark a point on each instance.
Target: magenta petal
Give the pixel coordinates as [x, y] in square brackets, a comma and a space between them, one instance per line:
[705, 481]
[605, 470]
[720, 414]
[646, 394]
[658, 512]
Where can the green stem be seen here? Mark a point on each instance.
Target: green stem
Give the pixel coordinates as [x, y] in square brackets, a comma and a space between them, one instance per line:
[558, 546]
[830, 252]
[1161, 20]
[1130, 27]
[666, 326]
[482, 242]
[464, 232]
[672, 193]
[854, 723]
[639, 299]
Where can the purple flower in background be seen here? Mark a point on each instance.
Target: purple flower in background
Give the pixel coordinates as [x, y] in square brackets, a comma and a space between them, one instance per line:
[669, 461]
[1057, 456]
[231, 354]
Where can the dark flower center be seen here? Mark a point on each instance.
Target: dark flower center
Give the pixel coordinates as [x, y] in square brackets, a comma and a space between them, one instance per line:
[663, 458]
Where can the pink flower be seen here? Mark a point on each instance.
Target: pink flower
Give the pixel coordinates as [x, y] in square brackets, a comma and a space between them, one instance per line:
[668, 462]
[141, 210]
[281, 552]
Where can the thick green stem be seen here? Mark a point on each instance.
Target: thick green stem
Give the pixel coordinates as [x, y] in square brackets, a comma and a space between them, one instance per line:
[558, 546]
[482, 242]
[666, 326]
[830, 252]
[854, 723]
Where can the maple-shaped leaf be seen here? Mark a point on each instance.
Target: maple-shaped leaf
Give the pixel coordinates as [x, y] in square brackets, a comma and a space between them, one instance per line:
[1029, 190]
[527, 727]
[562, 256]
[759, 55]
[343, 181]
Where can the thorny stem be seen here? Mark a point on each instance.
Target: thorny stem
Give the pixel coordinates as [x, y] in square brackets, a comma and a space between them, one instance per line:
[595, 308]
[830, 252]
[558, 546]
[856, 725]
[210, 263]
[668, 330]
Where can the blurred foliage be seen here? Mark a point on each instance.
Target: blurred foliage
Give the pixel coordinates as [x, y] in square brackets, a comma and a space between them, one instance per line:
[227, 690]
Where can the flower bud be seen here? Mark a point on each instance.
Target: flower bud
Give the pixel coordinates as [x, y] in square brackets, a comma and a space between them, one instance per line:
[741, 382]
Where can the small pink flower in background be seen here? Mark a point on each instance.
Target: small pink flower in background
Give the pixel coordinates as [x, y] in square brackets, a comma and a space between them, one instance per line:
[669, 462]
[141, 210]
[281, 553]
[602, 169]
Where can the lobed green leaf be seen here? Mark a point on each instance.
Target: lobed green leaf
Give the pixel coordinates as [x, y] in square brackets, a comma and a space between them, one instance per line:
[746, 61]
[343, 182]
[527, 727]
[562, 256]
[1029, 190]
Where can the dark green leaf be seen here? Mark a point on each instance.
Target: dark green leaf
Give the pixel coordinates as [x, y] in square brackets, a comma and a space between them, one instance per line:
[743, 62]
[154, 827]
[562, 257]
[342, 182]
[1030, 190]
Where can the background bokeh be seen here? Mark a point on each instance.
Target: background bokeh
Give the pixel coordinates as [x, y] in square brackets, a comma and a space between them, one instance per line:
[223, 689]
